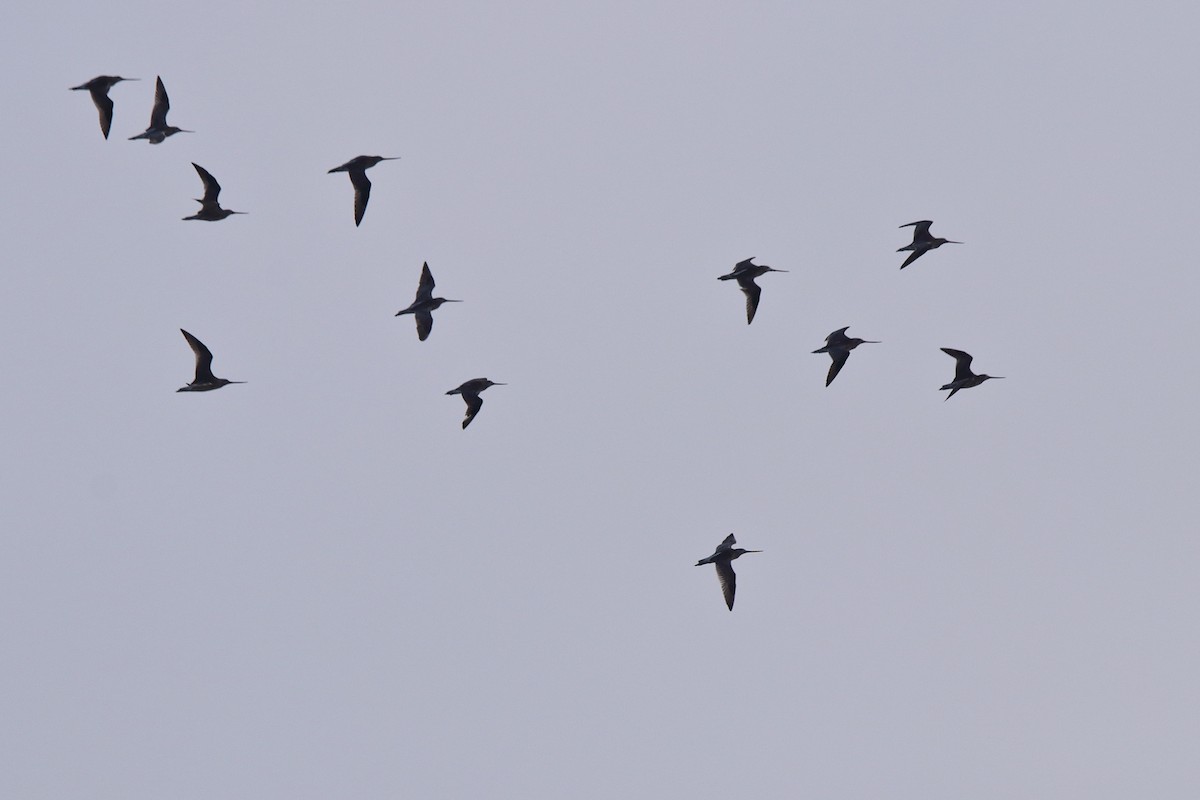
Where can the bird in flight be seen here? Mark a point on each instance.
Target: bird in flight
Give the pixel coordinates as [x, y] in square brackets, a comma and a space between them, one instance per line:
[839, 345]
[423, 306]
[205, 380]
[357, 167]
[159, 130]
[964, 378]
[470, 393]
[210, 209]
[98, 88]
[744, 273]
[721, 559]
[922, 241]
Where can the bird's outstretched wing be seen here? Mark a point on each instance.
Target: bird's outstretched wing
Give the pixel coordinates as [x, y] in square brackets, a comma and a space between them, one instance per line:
[920, 230]
[728, 579]
[158, 115]
[104, 105]
[211, 188]
[839, 360]
[962, 363]
[474, 403]
[913, 257]
[204, 358]
[837, 337]
[362, 193]
[425, 287]
[424, 324]
[753, 292]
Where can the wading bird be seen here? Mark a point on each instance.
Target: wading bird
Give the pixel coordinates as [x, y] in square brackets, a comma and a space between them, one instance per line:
[159, 129]
[470, 393]
[744, 273]
[210, 209]
[422, 307]
[726, 553]
[357, 167]
[98, 88]
[205, 380]
[964, 378]
[839, 345]
[922, 241]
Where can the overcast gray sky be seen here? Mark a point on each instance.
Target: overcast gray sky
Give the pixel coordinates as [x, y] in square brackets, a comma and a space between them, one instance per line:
[318, 585]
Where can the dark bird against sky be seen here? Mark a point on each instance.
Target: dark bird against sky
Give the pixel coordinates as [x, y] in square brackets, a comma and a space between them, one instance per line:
[722, 559]
[922, 241]
[205, 380]
[964, 378]
[210, 209]
[159, 130]
[744, 273]
[357, 167]
[470, 393]
[839, 345]
[98, 87]
[423, 306]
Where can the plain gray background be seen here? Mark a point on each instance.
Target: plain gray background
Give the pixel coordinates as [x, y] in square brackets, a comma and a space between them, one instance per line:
[317, 585]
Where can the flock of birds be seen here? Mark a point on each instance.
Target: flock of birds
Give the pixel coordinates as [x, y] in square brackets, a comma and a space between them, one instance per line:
[837, 344]
[159, 131]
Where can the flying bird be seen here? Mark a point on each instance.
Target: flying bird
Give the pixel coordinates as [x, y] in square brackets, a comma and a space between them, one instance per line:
[964, 378]
[159, 129]
[744, 273]
[210, 209]
[922, 241]
[721, 559]
[839, 345]
[423, 306]
[98, 88]
[357, 167]
[470, 393]
[205, 380]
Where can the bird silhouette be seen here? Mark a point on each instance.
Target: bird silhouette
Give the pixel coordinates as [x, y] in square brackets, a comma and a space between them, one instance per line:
[210, 209]
[839, 345]
[964, 378]
[922, 241]
[357, 168]
[98, 88]
[205, 380]
[470, 393]
[159, 130]
[423, 306]
[744, 272]
[721, 559]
